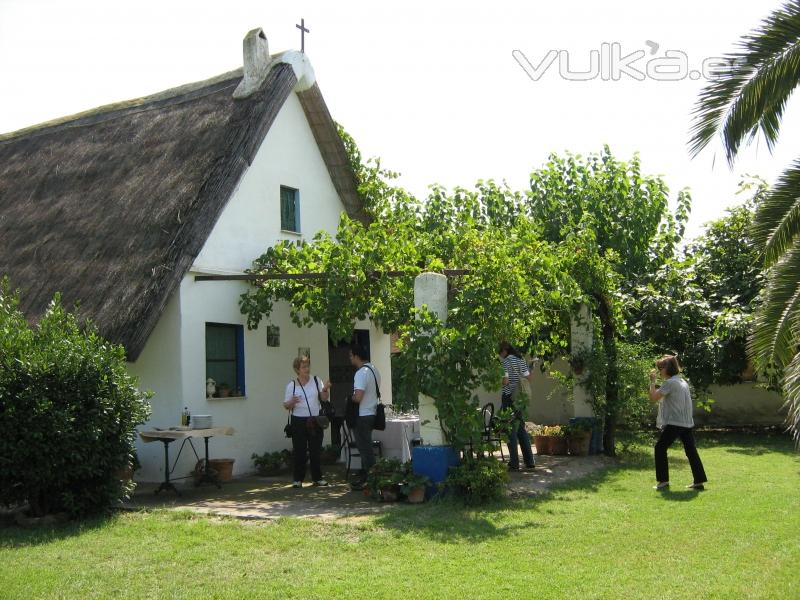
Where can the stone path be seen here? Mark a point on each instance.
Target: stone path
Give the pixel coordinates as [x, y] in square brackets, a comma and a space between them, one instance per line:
[273, 497]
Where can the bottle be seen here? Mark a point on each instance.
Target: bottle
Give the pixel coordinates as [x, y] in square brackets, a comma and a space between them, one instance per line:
[188, 417]
[185, 416]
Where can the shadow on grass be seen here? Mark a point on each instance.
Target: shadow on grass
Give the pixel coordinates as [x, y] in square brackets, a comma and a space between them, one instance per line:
[14, 536]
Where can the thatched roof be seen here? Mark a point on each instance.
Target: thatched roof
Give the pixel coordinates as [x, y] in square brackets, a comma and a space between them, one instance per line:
[111, 207]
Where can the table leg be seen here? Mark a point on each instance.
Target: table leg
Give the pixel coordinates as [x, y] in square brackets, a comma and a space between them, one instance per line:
[208, 476]
[167, 484]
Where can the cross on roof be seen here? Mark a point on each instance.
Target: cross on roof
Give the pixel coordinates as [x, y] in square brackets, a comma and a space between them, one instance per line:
[303, 32]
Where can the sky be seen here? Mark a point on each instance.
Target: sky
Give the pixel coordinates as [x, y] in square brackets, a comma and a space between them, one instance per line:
[444, 92]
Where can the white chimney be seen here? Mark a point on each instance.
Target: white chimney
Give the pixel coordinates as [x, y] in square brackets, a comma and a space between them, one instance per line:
[256, 63]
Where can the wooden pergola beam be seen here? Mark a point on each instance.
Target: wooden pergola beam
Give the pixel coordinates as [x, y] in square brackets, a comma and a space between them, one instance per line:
[290, 276]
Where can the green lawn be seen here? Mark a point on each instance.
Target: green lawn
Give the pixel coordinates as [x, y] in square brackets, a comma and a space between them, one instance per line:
[610, 536]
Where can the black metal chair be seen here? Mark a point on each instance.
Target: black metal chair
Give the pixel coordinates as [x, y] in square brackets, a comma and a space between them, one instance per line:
[351, 448]
[489, 435]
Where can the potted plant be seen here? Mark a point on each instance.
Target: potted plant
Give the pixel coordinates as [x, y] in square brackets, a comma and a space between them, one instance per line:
[579, 436]
[414, 487]
[384, 479]
[270, 463]
[558, 440]
[540, 441]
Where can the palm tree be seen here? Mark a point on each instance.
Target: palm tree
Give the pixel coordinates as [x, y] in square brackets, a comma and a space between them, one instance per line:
[748, 97]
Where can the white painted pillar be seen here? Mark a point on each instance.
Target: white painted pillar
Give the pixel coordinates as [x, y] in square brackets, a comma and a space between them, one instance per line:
[430, 290]
[581, 334]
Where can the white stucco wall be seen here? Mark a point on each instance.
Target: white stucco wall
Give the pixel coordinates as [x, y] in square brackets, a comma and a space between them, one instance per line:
[173, 362]
[251, 222]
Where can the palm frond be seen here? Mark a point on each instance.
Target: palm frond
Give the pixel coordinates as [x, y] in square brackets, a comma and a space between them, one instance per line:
[776, 224]
[773, 342]
[751, 94]
[791, 392]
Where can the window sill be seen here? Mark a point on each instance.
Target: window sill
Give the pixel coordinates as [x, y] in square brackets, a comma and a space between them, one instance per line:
[227, 398]
[290, 232]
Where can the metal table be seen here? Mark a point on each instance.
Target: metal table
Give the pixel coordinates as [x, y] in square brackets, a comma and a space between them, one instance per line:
[167, 436]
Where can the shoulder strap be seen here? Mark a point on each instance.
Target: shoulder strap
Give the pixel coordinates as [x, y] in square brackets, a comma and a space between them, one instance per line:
[291, 411]
[377, 387]
[316, 383]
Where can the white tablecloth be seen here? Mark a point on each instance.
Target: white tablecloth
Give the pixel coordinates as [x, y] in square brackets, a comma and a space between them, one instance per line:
[397, 436]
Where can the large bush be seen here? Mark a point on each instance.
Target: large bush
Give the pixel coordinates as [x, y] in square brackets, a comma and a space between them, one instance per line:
[68, 409]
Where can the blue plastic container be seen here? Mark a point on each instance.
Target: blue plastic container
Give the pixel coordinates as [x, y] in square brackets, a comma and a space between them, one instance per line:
[596, 443]
[433, 461]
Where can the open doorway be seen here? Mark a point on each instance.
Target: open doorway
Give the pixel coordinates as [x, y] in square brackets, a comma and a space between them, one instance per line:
[341, 374]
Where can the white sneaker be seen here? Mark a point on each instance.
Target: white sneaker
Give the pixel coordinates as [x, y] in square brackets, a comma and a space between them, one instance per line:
[297, 484]
[321, 483]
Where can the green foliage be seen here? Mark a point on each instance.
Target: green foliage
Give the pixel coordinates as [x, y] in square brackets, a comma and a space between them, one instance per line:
[269, 463]
[747, 98]
[478, 480]
[398, 477]
[68, 409]
[614, 227]
[516, 287]
[702, 305]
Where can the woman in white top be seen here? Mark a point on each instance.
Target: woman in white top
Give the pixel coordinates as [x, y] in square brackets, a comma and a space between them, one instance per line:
[674, 420]
[302, 397]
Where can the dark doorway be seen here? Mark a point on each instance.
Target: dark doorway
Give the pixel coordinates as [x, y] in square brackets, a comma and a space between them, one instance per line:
[341, 373]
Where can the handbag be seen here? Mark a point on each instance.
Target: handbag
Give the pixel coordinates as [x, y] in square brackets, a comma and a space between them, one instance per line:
[288, 429]
[326, 410]
[380, 409]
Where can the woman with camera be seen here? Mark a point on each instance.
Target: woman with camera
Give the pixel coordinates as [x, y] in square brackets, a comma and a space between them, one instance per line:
[302, 398]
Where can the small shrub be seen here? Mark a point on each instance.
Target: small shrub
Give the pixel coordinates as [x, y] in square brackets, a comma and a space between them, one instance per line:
[270, 463]
[478, 480]
[68, 412]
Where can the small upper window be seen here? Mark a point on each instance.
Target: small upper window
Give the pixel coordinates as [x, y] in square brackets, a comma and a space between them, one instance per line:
[290, 209]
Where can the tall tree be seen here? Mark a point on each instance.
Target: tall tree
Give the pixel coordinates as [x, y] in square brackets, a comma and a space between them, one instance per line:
[618, 227]
[746, 98]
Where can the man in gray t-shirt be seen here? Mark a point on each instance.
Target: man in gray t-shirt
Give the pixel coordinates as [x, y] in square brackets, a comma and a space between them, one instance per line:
[674, 420]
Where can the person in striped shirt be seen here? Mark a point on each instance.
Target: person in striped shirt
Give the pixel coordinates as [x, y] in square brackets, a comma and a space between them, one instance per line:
[515, 368]
[674, 420]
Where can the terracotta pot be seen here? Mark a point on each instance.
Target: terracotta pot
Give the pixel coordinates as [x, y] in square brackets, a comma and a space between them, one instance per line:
[542, 443]
[417, 495]
[223, 467]
[390, 494]
[579, 444]
[558, 445]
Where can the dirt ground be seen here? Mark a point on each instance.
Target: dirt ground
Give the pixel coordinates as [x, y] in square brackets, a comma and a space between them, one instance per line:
[256, 497]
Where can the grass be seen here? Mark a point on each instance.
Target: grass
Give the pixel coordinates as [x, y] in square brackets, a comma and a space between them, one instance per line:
[609, 536]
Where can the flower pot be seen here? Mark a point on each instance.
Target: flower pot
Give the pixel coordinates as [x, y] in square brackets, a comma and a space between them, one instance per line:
[416, 495]
[223, 467]
[390, 494]
[542, 443]
[579, 444]
[558, 445]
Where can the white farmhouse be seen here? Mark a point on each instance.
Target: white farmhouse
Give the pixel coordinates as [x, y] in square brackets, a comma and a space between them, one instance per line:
[120, 208]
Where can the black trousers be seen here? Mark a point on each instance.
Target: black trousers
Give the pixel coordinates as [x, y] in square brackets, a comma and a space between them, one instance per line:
[306, 443]
[668, 435]
[363, 435]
